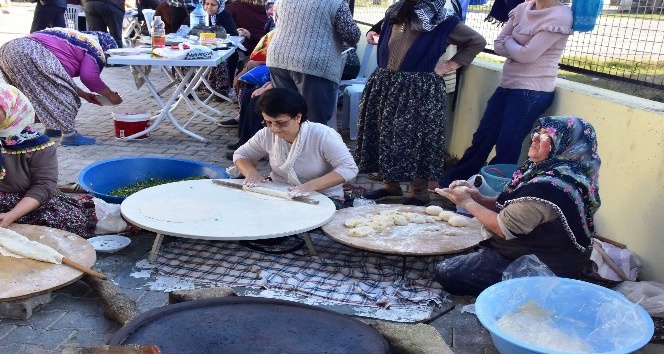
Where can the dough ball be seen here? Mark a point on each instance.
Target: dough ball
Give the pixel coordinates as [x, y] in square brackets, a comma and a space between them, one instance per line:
[362, 231]
[416, 218]
[461, 188]
[432, 228]
[432, 219]
[378, 226]
[400, 220]
[354, 222]
[458, 221]
[384, 220]
[445, 215]
[389, 212]
[433, 210]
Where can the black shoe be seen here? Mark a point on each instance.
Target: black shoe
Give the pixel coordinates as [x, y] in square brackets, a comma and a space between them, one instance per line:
[414, 201]
[53, 133]
[229, 155]
[233, 146]
[229, 123]
[381, 193]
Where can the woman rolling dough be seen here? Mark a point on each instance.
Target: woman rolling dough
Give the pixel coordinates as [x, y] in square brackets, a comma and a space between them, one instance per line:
[311, 157]
[546, 210]
[29, 173]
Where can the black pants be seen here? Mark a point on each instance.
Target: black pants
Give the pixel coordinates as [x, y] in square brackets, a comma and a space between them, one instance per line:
[250, 119]
[105, 17]
[47, 16]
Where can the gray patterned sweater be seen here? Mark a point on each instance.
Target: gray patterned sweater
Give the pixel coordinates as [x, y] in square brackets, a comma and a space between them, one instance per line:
[309, 35]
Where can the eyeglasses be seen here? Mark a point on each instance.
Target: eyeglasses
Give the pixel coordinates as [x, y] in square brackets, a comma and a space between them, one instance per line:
[540, 136]
[277, 124]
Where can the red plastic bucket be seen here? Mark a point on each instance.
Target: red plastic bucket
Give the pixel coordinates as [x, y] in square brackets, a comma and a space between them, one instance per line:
[130, 123]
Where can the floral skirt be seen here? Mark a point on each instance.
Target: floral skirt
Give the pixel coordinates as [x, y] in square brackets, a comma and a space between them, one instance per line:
[60, 212]
[401, 125]
[34, 70]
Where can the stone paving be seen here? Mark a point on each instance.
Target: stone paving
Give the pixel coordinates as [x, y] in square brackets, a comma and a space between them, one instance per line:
[74, 317]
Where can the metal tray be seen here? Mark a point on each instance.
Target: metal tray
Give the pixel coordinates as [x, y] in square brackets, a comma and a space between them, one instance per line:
[250, 325]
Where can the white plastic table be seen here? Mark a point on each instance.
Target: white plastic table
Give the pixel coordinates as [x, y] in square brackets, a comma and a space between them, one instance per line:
[215, 212]
[195, 71]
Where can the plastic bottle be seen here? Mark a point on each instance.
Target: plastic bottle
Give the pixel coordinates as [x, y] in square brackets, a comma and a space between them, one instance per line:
[158, 34]
[197, 17]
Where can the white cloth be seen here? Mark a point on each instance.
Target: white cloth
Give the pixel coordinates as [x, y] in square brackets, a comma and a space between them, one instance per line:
[317, 151]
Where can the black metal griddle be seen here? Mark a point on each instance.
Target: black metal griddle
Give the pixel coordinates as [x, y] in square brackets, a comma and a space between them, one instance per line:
[250, 325]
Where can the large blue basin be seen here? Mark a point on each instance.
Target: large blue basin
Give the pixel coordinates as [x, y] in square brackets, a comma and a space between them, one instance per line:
[101, 177]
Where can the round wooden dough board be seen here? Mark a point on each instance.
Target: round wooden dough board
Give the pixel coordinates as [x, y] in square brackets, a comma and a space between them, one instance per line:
[409, 240]
[22, 278]
[230, 214]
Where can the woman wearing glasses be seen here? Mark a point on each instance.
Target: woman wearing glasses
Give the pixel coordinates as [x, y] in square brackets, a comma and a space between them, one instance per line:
[310, 156]
[546, 210]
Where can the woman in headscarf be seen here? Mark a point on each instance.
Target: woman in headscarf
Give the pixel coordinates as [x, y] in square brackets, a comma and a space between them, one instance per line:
[533, 41]
[42, 66]
[29, 173]
[546, 210]
[401, 126]
[309, 156]
[221, 77]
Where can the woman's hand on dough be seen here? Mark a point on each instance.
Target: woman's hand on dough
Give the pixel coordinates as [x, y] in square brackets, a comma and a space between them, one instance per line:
[6, 219]
[299, 191]
[253, 180]
[458, 195]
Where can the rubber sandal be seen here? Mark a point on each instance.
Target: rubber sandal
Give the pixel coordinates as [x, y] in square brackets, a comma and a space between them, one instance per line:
[77, 140]
[71, 188]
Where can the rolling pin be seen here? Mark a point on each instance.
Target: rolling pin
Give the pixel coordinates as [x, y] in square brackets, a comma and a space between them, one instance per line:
[82, 268]
[266, 191]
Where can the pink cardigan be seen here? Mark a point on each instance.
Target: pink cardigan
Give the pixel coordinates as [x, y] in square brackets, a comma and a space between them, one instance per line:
[533, 42]
[74, 60]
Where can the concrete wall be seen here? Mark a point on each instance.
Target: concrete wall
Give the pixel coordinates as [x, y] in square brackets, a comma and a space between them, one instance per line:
[630, 134]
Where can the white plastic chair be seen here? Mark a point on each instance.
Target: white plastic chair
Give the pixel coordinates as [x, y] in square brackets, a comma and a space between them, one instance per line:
[149, 16]
[352, 92]
[71, 16]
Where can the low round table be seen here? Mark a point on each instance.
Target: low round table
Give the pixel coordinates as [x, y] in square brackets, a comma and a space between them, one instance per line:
[24, 278]
[410, 240]
[201, 209]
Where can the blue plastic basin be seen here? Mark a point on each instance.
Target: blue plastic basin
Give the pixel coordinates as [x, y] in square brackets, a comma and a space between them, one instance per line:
[603, 318]
[101, 177]
[497, 176]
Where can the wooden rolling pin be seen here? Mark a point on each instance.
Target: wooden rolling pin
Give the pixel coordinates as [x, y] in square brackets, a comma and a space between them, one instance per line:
[83, 269]
[266, 191]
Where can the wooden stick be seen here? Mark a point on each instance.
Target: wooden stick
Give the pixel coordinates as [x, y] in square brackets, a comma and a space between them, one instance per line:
[83, 269]
[610, 261]
[615, 243]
